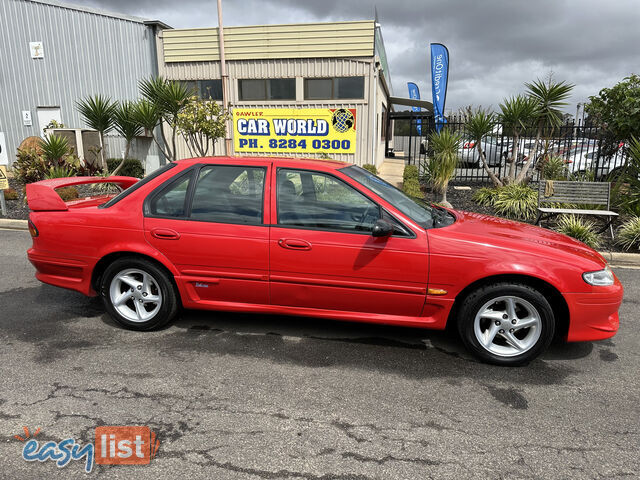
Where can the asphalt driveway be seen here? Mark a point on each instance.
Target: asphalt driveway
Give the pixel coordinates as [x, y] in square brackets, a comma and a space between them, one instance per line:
[255, 396]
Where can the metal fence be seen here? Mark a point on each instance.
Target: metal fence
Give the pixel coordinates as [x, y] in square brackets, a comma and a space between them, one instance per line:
[586, 150]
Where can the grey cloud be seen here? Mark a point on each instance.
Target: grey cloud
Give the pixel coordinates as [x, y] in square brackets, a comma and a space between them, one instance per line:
[495, 45]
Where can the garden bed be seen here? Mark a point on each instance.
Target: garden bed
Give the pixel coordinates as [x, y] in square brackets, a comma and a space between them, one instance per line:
[460, 199]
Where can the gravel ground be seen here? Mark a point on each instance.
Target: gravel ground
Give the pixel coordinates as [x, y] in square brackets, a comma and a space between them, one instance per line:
[17, 209]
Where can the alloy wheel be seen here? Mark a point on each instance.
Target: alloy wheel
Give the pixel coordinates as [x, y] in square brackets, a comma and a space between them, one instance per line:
[135, 295]
[507, 326]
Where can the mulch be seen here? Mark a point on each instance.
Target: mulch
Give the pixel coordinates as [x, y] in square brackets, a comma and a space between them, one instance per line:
[17, 209]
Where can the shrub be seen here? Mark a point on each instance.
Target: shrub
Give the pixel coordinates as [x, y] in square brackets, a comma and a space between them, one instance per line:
[131, 168]
[29, 166]
[629, 234]
[579, 229]
[370, 168]
[554, 168]
[55, 149]
[516, 201]
[410, 172]
[627, 190]
[584, 176]
[485, 196]
[411, 182]
[60, 172]
[10, 194]
[68, 193]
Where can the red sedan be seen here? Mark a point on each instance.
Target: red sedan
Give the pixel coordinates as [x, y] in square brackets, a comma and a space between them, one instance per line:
[323, 239]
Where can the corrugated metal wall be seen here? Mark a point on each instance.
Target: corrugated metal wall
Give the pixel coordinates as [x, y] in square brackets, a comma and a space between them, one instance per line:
[337, 39]
[84, 53]
[288, 68]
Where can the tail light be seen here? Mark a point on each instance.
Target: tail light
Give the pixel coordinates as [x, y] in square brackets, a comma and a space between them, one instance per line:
[469, 145]
[32, 229]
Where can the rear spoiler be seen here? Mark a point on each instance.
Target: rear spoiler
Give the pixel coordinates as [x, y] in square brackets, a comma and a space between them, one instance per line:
[42, 195]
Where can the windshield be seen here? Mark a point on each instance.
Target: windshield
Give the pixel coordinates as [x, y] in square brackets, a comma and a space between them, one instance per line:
[420, 213]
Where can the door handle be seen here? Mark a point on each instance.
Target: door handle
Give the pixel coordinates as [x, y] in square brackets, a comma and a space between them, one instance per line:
[165, 234]
[294, 244]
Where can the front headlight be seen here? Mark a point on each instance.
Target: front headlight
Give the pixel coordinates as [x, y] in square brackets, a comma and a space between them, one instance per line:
[601, 278]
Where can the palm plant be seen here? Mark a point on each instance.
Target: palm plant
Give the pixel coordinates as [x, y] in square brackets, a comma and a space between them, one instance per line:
[168, 97]
[148, 117]
[549, 96]
[515, 114]
[55, 149]
[125, 122]
[98, 112]
[480, 124]
[445, 146]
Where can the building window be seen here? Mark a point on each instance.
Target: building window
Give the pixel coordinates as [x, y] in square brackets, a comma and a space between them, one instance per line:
[205, 89]
[267, 89]
[333, 88]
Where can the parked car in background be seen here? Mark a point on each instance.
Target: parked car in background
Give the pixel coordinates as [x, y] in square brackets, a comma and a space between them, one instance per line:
[495, 149]
[322, 239]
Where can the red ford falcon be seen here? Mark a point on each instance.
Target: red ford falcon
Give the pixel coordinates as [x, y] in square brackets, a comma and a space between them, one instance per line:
[323, 239]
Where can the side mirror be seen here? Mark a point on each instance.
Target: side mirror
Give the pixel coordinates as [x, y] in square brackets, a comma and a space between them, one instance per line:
[382, 228]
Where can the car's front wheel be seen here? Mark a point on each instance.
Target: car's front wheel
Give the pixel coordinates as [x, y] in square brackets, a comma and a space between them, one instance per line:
[138, 294]
[506, 323]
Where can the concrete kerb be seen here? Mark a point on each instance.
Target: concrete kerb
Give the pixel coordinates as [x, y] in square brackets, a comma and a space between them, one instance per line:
[12, 224]
[614, 258]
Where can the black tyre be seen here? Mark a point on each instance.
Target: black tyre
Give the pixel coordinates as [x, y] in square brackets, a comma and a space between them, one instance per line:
[137, 294]
[506, 324]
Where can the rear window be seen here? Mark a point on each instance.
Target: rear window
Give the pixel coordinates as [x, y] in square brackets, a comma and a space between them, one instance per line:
[137, 185]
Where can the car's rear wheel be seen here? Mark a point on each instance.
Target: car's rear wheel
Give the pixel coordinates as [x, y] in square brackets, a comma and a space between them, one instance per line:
[138, 294]
[506, 323]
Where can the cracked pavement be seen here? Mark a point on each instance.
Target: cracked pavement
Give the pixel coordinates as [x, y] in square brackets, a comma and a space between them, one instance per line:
[268, 397]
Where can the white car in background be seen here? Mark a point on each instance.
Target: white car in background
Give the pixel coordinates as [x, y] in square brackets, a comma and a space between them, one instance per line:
[493, 147]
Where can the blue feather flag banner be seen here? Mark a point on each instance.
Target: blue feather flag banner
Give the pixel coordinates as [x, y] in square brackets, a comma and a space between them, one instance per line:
[414, 93]
[439, 80]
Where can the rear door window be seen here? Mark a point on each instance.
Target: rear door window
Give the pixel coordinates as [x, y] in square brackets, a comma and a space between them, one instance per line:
[229, 194]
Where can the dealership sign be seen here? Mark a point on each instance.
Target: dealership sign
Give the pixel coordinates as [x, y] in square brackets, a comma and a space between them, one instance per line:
[294, 130]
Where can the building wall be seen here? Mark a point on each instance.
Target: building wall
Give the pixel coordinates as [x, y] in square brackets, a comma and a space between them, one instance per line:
[299, 68]
[307, 40]
[85, 52]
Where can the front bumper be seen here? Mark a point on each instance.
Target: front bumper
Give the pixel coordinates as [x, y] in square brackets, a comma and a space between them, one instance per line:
[594, 315]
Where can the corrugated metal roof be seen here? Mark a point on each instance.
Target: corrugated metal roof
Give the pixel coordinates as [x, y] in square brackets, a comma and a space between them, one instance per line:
[96, 11]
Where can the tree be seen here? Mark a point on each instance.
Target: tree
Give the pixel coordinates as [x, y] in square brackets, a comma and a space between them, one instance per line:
[168, 98]
[481, 123]
[98, 112]
[516, 113]
[125, 122]
[617, 110]
[443, 165]
[549, 97]
[201, 123]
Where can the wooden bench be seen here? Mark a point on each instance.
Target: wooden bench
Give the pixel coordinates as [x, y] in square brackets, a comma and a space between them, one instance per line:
[581, 193]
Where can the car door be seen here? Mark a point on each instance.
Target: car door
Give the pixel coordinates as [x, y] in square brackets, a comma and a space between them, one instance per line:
[323, 256]
[210, 223]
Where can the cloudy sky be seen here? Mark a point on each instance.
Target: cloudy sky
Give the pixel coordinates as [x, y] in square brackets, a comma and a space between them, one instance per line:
[495, 45]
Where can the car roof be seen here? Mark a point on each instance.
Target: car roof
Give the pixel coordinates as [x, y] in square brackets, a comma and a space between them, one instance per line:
[308, 163]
